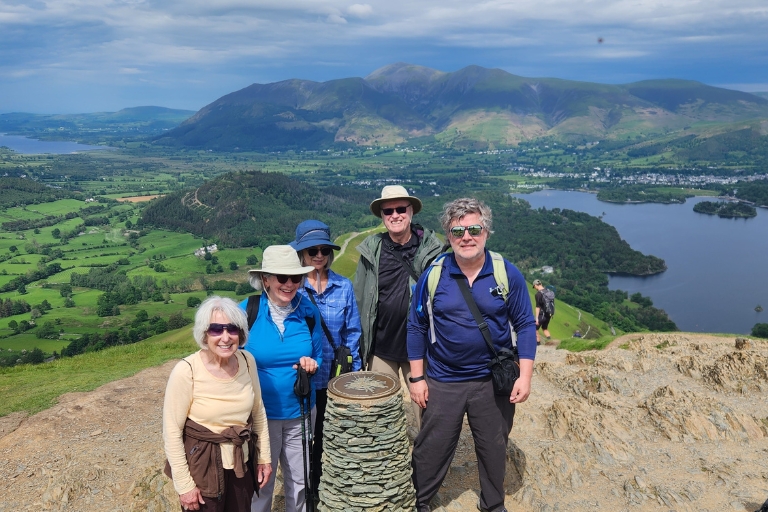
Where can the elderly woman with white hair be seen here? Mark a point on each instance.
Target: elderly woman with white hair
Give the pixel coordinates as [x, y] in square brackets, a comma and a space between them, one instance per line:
[281, 340]
[214, 421]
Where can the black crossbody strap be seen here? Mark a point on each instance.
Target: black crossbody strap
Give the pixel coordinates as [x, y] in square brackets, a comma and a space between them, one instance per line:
[322, 322]
[399, 256]
[464, 287]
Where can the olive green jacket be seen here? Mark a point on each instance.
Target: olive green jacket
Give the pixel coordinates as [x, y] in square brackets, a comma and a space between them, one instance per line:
[366, 281]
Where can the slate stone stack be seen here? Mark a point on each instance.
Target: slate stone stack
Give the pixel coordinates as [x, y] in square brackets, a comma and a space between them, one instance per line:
[366, 454]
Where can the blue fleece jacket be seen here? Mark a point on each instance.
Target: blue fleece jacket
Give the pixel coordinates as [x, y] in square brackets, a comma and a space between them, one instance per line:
[459, 352]
[276, 353]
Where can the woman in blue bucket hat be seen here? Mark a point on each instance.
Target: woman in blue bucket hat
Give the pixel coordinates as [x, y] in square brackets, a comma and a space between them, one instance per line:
[335, 298]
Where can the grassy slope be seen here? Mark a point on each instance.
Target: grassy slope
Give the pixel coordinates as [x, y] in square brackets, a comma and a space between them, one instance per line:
[34, 388]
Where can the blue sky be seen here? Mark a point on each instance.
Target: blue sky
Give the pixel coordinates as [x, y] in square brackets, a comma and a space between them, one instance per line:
[71, 56]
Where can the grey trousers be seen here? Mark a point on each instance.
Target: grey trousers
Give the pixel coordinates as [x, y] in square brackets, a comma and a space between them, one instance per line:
[490, 420]
[285, 447]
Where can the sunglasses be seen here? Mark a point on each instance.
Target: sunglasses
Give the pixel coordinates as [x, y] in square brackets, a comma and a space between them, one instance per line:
[218, 329]
[389, 211]
[458, 231]
[282, 278]
[312, 251]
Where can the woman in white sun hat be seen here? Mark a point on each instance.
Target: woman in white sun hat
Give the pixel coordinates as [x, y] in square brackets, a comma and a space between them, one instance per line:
[280, 340]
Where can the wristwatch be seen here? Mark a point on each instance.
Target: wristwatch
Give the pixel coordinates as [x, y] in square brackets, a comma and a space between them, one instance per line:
[413, 380]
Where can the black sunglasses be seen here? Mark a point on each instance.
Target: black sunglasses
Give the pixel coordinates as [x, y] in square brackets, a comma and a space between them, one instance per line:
[282, 278]
[458, 231]
[389, 211]
[218, 329]
[312, 251]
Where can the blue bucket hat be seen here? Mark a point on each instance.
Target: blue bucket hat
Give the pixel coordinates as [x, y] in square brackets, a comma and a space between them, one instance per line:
[311, 233]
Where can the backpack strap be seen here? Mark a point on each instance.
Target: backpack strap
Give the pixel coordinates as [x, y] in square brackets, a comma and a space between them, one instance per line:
[252, 309]
[499, 275]
[322, 321]
[433, 277]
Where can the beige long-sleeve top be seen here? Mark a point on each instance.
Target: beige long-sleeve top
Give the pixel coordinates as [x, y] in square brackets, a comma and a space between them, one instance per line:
[214, 403]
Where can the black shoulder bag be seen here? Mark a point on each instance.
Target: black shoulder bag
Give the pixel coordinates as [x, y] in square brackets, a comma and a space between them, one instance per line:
[342, 356]
[505, 364]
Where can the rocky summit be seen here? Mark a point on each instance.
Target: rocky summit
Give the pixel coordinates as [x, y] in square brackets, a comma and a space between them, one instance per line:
[654, 422]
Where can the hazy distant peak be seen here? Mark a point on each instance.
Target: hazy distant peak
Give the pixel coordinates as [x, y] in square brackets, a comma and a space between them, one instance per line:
[404, 70]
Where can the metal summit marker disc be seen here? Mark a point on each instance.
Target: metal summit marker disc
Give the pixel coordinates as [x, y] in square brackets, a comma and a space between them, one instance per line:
[364, 386]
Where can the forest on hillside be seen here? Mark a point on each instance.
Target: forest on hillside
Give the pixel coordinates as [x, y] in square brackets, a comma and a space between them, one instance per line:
[248, 209]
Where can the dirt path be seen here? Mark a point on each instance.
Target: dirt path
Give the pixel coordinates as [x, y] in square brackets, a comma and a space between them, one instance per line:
[669, 422]
[351, 236]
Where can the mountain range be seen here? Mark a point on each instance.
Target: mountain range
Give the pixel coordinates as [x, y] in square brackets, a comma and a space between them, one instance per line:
[471, 108]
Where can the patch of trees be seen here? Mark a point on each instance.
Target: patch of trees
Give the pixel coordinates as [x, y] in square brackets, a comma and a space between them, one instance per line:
[760, 330]
[34, 356]
[725, 209]
[21, 191]
[247, 209]
[141, 328]
[641, 194]
[30, 277]
[10, 307]
[48, 220]
[756, 192]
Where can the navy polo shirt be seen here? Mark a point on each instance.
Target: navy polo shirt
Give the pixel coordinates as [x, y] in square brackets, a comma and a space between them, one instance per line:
[459, 352]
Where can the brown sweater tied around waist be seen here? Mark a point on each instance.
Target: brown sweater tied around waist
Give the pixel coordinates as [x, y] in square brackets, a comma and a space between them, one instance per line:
[203, 452]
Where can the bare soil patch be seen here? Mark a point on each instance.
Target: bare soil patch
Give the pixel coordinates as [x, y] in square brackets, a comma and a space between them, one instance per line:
[137, 199]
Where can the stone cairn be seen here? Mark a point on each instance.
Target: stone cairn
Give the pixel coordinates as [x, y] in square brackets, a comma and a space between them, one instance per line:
[366, 454]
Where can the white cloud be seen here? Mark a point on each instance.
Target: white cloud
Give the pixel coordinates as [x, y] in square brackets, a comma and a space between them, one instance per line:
[360, 10]
[167, 40]
[336, 19]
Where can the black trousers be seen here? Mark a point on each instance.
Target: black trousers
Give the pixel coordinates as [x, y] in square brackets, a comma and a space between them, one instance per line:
[490, 419]
[321, 399]
[236, 497]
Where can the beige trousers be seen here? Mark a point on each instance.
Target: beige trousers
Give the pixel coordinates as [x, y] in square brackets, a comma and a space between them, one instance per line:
[395, 369]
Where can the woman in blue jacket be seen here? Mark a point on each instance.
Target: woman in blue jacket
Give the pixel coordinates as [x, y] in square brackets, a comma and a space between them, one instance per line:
[280, 340]
[335, 298]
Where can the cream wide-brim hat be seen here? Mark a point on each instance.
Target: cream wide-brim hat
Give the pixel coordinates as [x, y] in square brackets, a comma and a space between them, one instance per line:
[392, 192]
[281, 259]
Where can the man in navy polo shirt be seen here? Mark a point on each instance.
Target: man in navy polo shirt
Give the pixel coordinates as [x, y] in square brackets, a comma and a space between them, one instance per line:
[457, 378]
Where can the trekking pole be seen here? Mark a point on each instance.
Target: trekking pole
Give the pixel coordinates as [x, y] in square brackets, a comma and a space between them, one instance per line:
[303, 391]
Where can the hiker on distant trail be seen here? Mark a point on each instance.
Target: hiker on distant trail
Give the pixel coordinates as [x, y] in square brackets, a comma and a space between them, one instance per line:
[281, 337]
[545, 309]
[335, 298]
[213, 406]
[457, 379]
[390, 264]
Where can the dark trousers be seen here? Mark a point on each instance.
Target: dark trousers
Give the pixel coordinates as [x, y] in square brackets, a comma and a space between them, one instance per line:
[321, 399]
[490, 420]
[236, 496]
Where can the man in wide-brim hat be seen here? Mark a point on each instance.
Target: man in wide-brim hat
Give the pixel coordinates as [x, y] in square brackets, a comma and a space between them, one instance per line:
[390, 263]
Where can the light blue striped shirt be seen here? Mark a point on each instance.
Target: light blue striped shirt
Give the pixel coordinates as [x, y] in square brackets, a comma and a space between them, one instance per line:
[338, 308]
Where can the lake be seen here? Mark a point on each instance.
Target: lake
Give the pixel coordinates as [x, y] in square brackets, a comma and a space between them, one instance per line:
[717, 271]
[28, 146]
